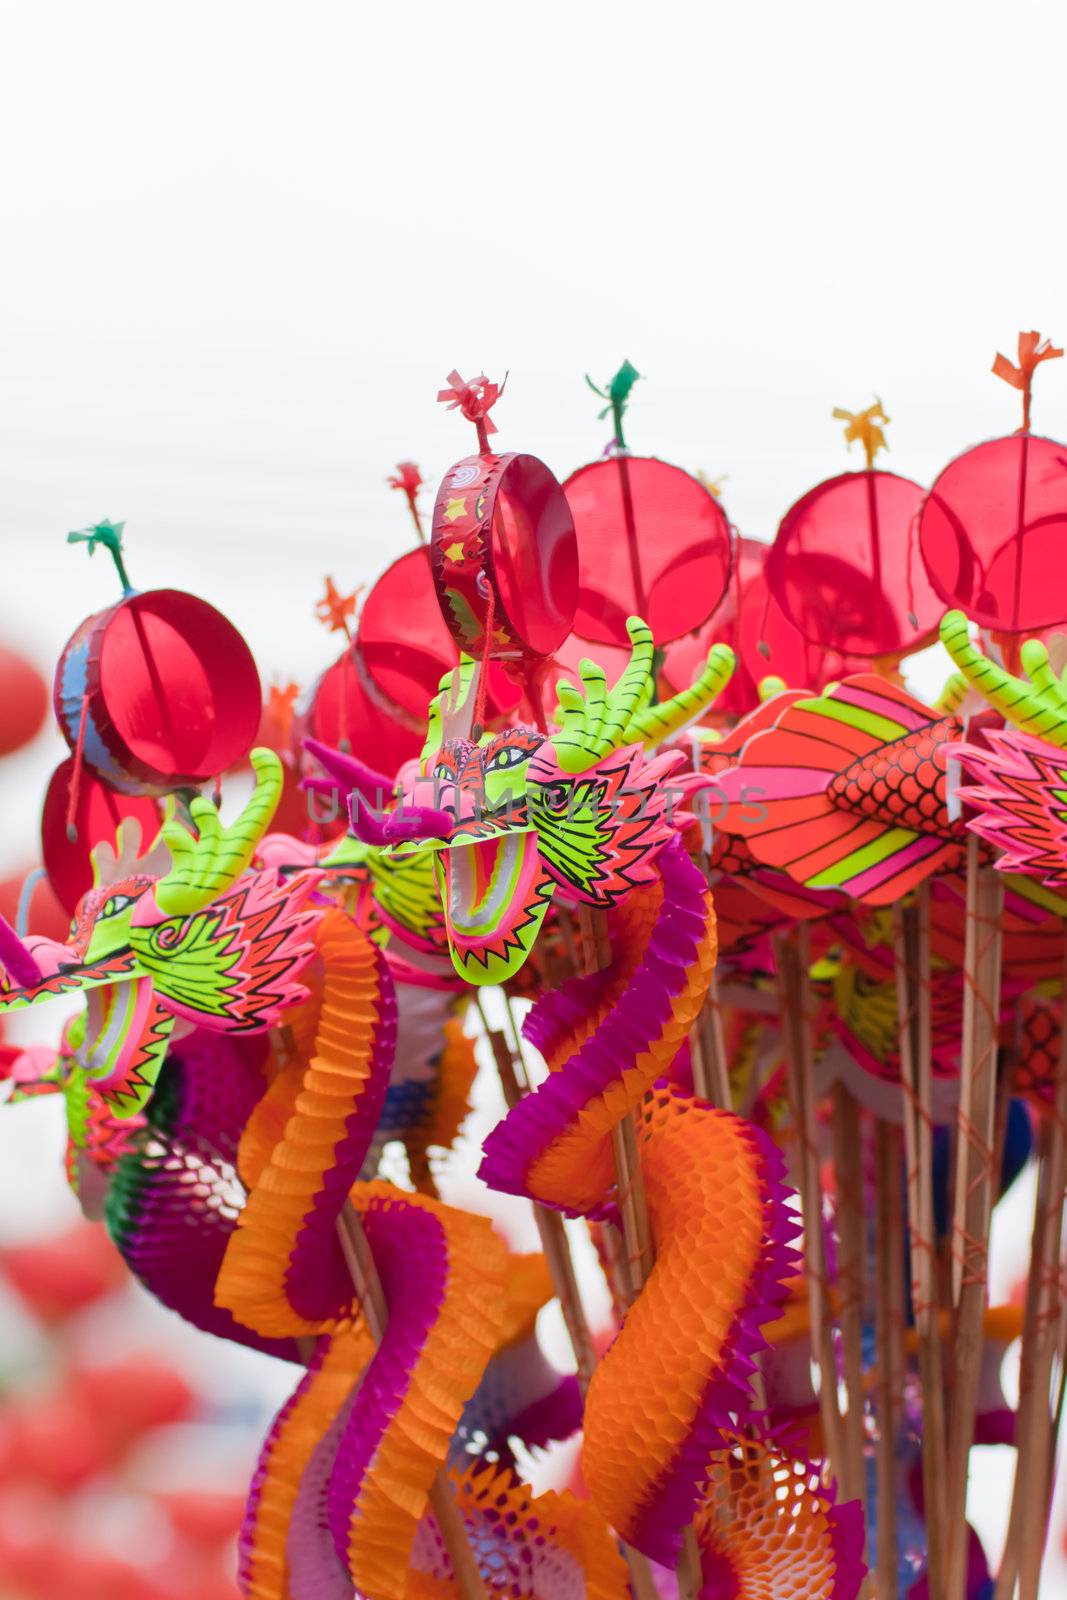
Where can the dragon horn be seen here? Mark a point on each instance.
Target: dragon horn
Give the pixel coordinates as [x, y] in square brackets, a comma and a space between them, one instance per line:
[350, 773]
[397, 827]
[258, 814]
[952, 695]
[205, 867]
[15, 957]
[671, 717]
[1038, 707]
[638, 670]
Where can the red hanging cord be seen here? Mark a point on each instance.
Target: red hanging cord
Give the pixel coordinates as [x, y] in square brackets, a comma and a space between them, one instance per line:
[76, 775]
[483, 671]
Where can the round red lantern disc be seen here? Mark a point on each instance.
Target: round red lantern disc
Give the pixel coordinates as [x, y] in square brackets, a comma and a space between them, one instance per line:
[404, 648]
[843, 569]
[748, 619]
[161, 691]
[503, 545]
[338, 711]
[992, 532]
[97, 815]
[652, 542]
[23, 701]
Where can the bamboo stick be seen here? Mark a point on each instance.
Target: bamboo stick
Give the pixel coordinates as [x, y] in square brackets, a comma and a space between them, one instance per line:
[556, 1247]
[637, 1234]
[974, 1188]
[912, 956]
[795, 1009]
[1037, 1456]
[851, 1224]
[889, 1332]
[1009, 1561]
[550, 1225]
[707, 1044]
[367, 1284]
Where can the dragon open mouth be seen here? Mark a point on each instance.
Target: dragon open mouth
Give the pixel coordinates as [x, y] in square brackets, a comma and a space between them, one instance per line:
[495, 894]
[126, 1033]
[108, 1010]
[482, 878]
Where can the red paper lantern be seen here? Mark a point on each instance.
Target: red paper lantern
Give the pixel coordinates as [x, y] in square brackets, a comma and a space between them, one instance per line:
[160, 692]
[132, 1396]
[97, 814]
[62, 1445]
[403, 647]
[992, 532]
[764, 640]
[652, 542]
[23, 701]
[339, 711]
[203, 1518]
[843, 569]
[503, 554]
[56, 1277]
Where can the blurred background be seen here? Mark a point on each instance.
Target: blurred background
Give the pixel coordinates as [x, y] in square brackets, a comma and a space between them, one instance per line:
[243, 246]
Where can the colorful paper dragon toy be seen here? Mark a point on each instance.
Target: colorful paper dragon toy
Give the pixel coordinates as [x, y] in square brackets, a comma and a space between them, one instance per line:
[745, 1003]
[515, 816]
[512, 820]
[183, 935]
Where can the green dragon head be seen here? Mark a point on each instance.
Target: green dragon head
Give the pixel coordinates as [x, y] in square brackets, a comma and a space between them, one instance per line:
[510, 817]
[182, 932]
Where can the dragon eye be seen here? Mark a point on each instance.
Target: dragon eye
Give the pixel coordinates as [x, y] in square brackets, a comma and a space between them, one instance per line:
[509, 755]
[113, 906]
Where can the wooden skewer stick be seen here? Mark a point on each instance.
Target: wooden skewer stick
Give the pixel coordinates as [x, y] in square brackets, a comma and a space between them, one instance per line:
[889, 1338]
[1036, 1442]
[640, 1258]
[1009, 1561]
[1060, 1385]
[707, 1042]
[851, 1222]
[368, 1287]
[640, 1255]
[915, 1041]
[550, 1224]
[795, 1011]
[974, 1188]
[711, 1069]
[556, 1246]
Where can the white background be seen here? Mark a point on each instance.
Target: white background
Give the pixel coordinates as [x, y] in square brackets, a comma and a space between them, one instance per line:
[241, 244]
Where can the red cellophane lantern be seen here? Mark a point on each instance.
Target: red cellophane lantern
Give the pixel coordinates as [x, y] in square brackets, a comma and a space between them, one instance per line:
[74, 819]
[653, 541]
[159, 691]
[403, 647]
[843, 567]
[993, 526]
[763, 639]
[23, 701]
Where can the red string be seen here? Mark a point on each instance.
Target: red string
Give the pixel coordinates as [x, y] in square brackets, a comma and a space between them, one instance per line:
[483, 671]
[76, 775]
